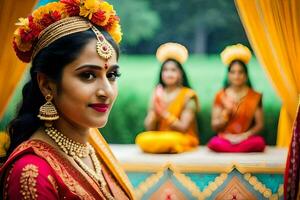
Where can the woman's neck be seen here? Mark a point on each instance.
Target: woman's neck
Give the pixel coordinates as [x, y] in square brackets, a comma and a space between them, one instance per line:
[238, 88]
[74, 132]
[171, 88]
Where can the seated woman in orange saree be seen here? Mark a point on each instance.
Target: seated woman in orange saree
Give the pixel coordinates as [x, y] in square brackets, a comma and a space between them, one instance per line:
[56, 151]
[171, 121]
[237, 113]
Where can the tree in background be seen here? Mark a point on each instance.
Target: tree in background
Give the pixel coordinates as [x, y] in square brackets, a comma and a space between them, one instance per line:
[139, 21]
[203, 26]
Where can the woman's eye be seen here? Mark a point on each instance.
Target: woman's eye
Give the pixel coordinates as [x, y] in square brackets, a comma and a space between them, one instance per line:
[87, 76]
[113, 75]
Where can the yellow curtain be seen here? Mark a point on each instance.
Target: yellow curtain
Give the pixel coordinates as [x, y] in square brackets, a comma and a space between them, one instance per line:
[273, 29]
[11, 69]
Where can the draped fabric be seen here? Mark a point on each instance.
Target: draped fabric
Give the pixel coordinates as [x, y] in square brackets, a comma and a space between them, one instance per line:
[11, 69]
[36, 170]
[273, 29]
[243, 113]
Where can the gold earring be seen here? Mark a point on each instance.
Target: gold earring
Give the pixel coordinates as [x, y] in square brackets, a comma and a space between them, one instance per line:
[48, 111]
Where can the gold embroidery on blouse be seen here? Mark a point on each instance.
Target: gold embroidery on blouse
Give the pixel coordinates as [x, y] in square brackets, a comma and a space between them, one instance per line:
[6, 182]
[28, 181]
[61, 169]
[54, 160]
[53, 183]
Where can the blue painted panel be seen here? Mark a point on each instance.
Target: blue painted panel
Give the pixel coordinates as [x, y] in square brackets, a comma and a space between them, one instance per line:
[136, 178]
[202, 180]
[272, 181]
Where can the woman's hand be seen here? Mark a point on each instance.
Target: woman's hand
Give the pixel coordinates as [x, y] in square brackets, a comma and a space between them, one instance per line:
[229, 106]
[160, 107]
[236, 138]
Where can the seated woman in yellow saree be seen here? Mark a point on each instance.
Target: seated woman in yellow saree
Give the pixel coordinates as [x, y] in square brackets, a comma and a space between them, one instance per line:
[237, 114]
[56, 150]
[171, 120]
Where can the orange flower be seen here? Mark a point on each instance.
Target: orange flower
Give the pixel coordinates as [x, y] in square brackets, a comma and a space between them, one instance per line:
[49, 8]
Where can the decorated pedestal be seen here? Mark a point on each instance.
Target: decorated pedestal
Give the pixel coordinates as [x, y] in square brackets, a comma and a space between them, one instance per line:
[203, 174]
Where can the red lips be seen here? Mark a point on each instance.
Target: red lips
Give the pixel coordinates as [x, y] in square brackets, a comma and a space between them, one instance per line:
[100, 107]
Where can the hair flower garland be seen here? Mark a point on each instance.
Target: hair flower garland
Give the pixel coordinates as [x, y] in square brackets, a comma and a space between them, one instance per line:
[98, 12]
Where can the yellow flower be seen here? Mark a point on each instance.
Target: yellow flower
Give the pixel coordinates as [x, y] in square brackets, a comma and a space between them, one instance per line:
[4, 143]
[116, 33]
[108, 11]
[106, 7]
[23, 22]
[89, 7]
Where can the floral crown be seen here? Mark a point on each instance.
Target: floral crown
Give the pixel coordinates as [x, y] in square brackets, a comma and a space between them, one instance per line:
[32, 28]
[172, 50]
[236, 52]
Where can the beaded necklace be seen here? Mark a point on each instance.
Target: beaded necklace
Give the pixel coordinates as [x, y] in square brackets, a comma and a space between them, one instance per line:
[77, 150]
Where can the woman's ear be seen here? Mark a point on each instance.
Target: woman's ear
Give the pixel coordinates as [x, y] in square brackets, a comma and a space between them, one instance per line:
[46, 85]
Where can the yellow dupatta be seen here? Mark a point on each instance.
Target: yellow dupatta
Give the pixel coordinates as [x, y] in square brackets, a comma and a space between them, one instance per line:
[176, 107]
[102, 148]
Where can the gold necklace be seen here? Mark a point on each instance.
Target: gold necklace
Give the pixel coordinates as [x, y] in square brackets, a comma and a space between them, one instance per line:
[76, 151]
[68, 145]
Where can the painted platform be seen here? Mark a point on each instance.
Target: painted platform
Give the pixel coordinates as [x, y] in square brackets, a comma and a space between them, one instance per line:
[203, 174]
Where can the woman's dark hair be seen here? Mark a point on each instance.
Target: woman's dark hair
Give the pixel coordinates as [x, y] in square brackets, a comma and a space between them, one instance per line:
[185, 81]
[49, 61]
[245, 69]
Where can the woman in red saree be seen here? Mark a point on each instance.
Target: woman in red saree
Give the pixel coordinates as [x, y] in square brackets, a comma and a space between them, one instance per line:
[56, 150]
[237, 113]
[171, 120]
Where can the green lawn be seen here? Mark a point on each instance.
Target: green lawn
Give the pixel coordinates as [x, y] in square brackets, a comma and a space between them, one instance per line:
[139, 76]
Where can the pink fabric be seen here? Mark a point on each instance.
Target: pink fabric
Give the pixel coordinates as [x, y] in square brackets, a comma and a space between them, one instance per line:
[44, 189]
[252, 144]
[52, 175]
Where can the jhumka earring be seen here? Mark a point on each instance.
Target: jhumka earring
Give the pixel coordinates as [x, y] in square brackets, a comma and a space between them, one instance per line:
[48, 112]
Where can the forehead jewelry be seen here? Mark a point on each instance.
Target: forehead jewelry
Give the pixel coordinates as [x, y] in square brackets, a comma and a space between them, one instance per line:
[103, 47]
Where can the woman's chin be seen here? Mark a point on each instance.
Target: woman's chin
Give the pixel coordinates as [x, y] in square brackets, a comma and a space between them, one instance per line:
[170, 84]
[99, 123]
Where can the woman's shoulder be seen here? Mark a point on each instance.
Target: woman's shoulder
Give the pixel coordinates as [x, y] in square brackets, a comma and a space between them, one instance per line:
[255, 93]
[189, 91]
[220, 93]
[31, 177]
[32, 163]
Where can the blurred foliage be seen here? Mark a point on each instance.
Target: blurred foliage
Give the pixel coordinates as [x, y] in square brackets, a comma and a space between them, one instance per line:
[201, 25]
[135, 15]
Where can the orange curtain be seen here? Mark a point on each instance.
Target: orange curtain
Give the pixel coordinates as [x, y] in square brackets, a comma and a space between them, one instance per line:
[273, 29]
[11, 69]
